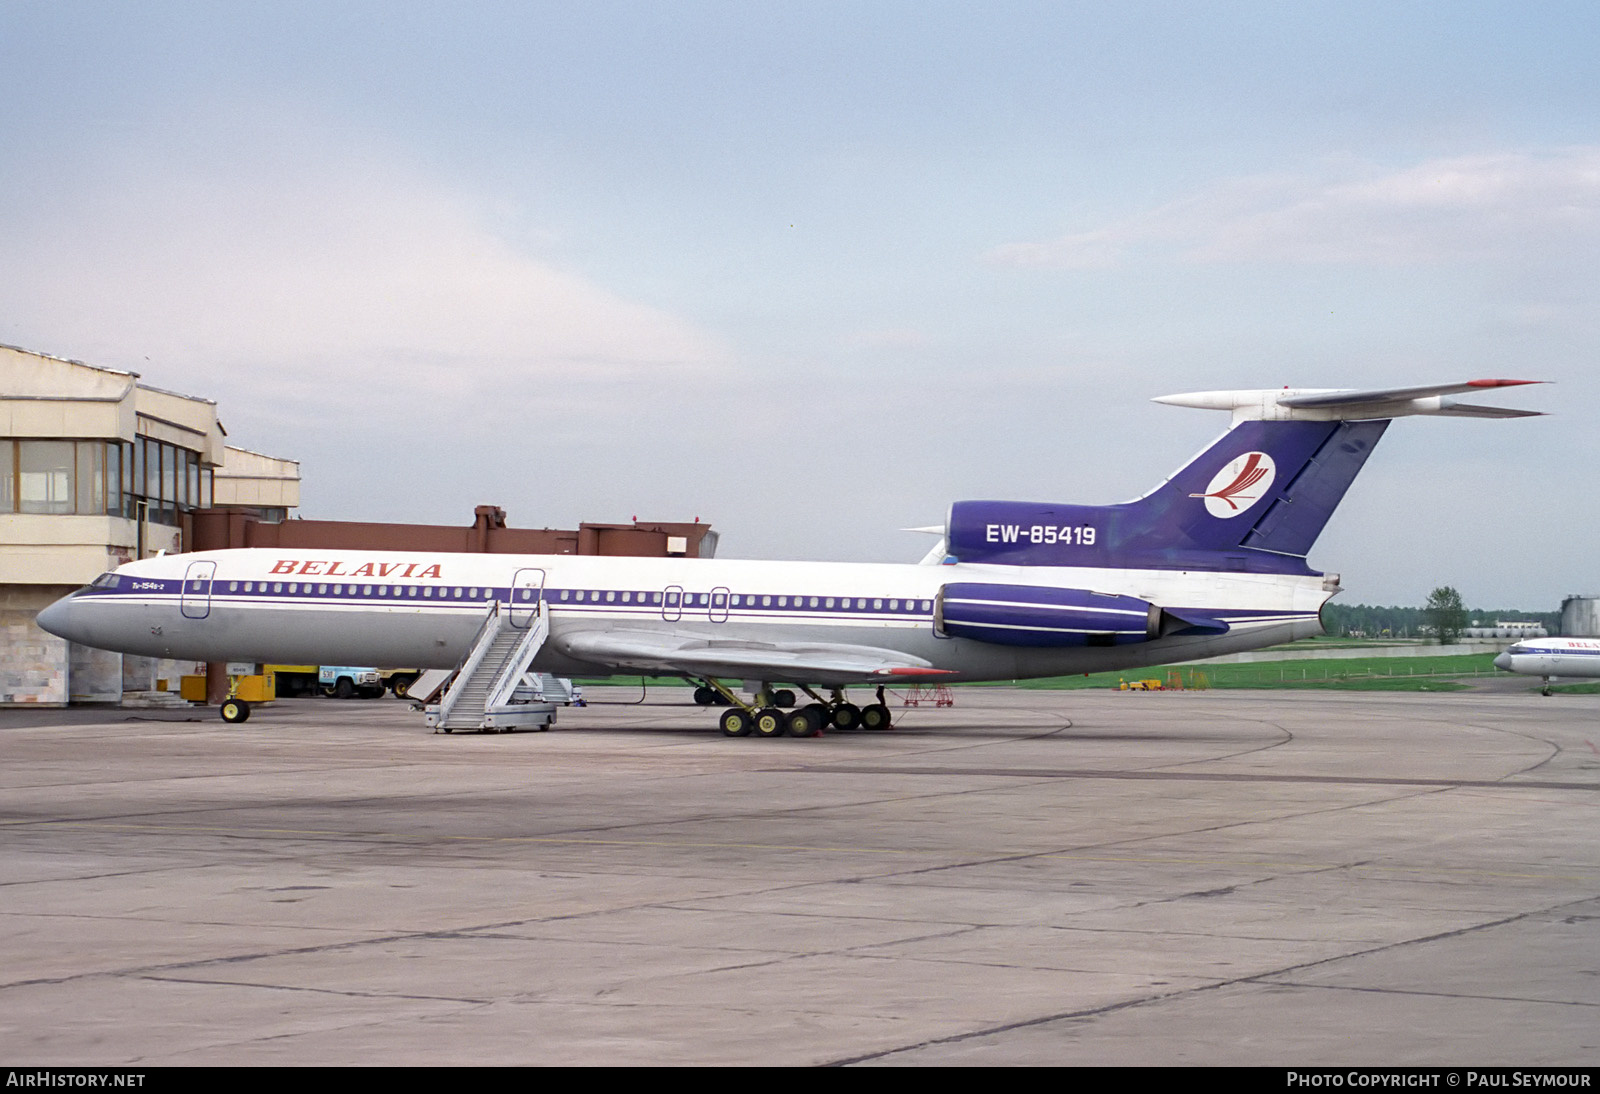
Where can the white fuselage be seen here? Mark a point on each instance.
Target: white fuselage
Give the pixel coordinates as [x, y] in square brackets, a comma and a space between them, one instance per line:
[422, 609]
[1552, 657]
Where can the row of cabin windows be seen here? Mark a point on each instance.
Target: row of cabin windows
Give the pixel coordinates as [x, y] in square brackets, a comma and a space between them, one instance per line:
[576, 595]
[103, 478]
[306, 589]
[737, 600]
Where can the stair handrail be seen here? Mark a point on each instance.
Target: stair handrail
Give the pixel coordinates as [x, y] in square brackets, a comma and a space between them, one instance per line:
[510, 672]
[480, 648]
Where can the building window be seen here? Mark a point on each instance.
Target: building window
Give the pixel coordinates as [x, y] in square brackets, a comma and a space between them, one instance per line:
[127, 480]
[151, 478]
[44, 476]
[169, 483]
[91, 491]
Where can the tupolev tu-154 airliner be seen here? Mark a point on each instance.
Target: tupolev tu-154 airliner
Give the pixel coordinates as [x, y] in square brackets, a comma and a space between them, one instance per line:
[1548, 657]
[1212, 561]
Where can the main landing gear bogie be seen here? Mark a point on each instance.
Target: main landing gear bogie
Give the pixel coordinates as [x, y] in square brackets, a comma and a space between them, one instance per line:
[769, 714]
[710, 697]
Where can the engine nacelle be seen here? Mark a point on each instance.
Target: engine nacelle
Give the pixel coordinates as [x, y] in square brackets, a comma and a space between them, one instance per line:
[1039, 615]
[1033, 615]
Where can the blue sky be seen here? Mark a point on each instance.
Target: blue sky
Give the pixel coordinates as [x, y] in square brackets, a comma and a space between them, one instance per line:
[813, 271]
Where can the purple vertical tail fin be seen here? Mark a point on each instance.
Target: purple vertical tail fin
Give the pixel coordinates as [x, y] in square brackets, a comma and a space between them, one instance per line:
[1255, 500]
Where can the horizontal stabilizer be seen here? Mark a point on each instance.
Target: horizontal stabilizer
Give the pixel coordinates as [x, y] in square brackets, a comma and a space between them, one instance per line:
[1468, 410]
[1325, 404]
[1394, 394]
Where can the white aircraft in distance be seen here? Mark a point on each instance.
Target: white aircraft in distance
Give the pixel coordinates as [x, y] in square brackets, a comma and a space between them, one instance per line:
[1549, 657]
[1212, 561]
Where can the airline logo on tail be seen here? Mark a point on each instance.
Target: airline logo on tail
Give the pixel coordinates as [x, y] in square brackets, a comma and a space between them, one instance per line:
[1239, 485]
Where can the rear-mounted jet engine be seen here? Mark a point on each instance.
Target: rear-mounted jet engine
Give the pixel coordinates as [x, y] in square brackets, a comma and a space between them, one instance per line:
[1035, 615]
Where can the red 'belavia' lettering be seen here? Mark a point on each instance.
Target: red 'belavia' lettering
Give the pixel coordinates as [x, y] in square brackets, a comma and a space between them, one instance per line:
[324, 568]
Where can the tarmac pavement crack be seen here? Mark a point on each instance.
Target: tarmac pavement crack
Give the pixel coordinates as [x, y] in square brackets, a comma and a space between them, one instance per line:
[1307, 985]
[1109, 845]
[396, 995]
[1270, 978]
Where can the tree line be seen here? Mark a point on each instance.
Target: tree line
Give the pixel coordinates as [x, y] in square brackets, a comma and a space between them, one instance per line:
[1394, 621]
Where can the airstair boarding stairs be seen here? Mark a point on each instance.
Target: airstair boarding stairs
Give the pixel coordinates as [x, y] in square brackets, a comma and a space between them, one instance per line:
[489, 692]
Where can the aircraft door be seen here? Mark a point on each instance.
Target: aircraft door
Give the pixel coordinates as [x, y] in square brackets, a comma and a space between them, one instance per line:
[719, 605]
[672, 604]
[527, 589]
[195, 600]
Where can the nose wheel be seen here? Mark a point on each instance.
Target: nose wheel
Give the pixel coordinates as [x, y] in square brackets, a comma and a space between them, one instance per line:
[235, 711]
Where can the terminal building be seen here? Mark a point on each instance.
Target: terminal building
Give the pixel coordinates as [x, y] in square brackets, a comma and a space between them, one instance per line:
[98, 469]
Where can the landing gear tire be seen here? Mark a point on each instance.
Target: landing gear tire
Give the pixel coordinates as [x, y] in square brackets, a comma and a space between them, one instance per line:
[770, 722]
[807, 721]
[735, 723]
[706, 697]
[875, 717]
[235, 711]
[783, 698]
[846, 717]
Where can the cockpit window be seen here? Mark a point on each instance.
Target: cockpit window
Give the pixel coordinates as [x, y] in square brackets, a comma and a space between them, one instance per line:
[107, 580]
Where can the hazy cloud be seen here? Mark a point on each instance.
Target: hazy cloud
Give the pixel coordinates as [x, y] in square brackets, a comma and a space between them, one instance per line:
[1506, 207]
[330, 270]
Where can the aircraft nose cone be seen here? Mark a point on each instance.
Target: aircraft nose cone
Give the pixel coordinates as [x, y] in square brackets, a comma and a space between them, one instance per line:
[57, 619]
[1503, 662]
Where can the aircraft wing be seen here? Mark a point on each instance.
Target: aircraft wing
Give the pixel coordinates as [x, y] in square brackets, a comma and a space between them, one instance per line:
[830, 663]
